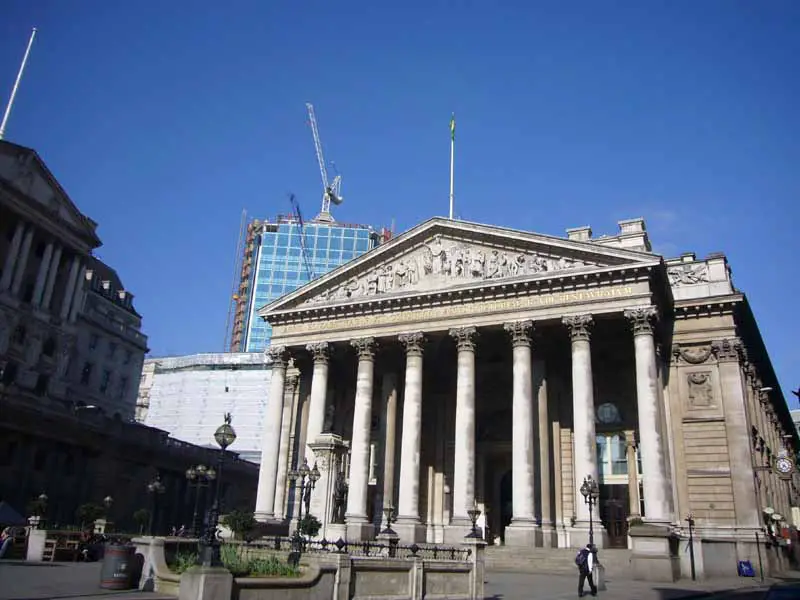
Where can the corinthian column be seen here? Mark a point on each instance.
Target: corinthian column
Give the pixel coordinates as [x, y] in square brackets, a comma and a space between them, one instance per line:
[585, 446]
[657, 494]
[292, 384]
[464, 471]
[270, 446]
[11, 257]
[408, 522]
[321, 354]
[522, 530]
[41, 275]
[358, 527]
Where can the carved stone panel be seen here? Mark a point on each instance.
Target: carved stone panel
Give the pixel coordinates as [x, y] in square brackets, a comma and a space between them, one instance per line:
[701, 390]
[688, 274]
[442, 262]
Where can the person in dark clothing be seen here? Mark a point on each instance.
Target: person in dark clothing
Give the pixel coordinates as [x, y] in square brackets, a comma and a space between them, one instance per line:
[585, 561]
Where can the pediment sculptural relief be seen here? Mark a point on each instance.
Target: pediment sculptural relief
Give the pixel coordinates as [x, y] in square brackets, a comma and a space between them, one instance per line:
[441, 263]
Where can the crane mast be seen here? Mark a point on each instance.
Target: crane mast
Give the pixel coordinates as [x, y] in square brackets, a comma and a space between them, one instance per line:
[331, 191]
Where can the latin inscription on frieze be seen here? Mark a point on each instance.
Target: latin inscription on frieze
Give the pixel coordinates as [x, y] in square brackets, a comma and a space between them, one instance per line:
[444, 312]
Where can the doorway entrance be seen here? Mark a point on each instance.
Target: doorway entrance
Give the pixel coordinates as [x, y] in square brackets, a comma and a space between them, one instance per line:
[614, 507]
[506, 504]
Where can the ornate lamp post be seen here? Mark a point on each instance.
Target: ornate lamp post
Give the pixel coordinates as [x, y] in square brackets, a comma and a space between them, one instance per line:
[209, 543]
[154, 488]
[473, 515]
[306, 479]
[199, 477]
[690, 521]
[40, 511]
[590, 492]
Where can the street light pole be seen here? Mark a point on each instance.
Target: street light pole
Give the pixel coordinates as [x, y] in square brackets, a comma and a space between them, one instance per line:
[590, 492]
[154, 488]
[209, 555]
[690, 521]
[306, 478]
[199, 477]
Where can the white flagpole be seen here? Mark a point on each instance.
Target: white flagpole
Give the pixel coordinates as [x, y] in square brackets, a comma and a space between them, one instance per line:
[452, 154]
[16, 85]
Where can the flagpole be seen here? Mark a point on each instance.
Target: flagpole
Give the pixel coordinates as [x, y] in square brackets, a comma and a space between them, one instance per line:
[452, 154]
[16, 85]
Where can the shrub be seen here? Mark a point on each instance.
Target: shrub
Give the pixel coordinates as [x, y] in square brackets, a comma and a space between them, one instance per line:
[240, 522]
[183, 560]
[271, 567]
[310, 525]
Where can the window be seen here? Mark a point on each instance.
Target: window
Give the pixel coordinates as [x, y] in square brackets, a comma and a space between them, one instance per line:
[42, 382]
[93, 341]
[86, 373]
[612, 457]
[104, 380]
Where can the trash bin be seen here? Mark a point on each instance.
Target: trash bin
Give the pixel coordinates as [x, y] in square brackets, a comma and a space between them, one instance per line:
[118, 566]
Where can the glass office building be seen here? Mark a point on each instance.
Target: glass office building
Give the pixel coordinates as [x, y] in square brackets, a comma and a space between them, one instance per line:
[281, 256]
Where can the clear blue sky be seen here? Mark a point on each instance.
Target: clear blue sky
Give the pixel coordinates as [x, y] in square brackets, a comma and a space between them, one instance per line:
[164, 120]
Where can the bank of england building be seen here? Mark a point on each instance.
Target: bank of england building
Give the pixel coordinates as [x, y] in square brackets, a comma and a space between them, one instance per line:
[463, 366]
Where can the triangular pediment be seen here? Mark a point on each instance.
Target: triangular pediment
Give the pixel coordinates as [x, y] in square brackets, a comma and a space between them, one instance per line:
[23, 170]
[441, 254]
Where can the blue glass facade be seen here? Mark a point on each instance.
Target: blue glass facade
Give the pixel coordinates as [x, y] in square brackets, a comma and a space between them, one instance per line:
[281, 268]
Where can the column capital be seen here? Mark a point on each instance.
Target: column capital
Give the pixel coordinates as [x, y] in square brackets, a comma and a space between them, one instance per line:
[365, 347]
[642, 319]
[413, 342]
[465, 337]
[279, 356]
[580, 326]
[630, 439]
[520, 332]
[320, 352]
[727, 350]
[292, 379]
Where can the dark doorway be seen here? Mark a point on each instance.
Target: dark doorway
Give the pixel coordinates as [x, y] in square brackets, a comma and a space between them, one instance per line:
[506, 503]
[614, 510]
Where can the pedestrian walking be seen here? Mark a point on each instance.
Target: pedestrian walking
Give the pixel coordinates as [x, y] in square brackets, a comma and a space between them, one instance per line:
[585, 561]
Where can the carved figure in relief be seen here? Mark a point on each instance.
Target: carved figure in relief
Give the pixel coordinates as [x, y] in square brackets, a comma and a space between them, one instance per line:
[478, 264]
[701, 392]
[688, 274]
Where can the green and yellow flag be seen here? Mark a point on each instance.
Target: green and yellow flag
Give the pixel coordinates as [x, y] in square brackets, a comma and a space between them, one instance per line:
[453, 127]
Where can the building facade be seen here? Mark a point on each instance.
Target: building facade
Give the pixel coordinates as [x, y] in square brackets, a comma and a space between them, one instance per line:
[283, 255]
[188, 395]
[465, 366]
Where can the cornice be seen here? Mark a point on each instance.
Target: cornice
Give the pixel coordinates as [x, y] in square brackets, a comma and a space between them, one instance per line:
[568, 281]
[707, 307]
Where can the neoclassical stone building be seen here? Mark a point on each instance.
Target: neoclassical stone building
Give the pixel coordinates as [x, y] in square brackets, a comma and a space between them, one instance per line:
[462, 365]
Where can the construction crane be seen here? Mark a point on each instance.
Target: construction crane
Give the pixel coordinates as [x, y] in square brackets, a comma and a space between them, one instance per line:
[331, 191]
[302, 234]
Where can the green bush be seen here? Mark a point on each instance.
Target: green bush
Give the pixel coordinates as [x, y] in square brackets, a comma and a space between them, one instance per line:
[182, 562]
[271, 567]
[234, 561]
[238, 564]
[310, 525]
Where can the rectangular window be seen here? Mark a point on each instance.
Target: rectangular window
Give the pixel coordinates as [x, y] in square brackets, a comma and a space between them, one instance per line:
[86, 373]
[283, 240]
[104, 381]
[336, 243]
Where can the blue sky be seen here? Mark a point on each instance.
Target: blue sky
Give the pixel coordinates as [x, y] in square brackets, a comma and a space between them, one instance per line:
[164, 120]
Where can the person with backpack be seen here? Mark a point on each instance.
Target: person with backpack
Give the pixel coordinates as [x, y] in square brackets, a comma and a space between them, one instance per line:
[585, 560]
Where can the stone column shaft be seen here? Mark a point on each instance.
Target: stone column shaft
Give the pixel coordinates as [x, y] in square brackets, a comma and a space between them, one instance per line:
[72, 280]
[522, 428]
[585, 449]
[52, 273]
[540, 391]
[41, 275]
[390, 434]
[268, 471]
[320, 352]
[408, 499]
[22, 261]
[292, 384]
[633, 475]
[77, 297]
[362, 415]
[13, 255]
[464, 471]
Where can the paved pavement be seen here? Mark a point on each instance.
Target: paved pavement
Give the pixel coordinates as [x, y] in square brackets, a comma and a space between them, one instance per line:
[39, 581]
[80, 581]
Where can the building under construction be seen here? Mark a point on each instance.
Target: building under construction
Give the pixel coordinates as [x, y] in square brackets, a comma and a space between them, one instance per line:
[281, 255]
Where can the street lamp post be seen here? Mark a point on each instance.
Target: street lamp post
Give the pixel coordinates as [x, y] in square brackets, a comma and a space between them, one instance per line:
[306, 479]
[209, 555]
[154, 488]
[690, 521]
[590, 492]
[199, 477]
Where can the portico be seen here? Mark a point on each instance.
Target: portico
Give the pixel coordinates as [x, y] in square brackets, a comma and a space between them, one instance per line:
[458, 357]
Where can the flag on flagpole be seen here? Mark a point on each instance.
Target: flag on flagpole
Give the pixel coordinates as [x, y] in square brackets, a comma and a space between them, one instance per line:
[453, 127]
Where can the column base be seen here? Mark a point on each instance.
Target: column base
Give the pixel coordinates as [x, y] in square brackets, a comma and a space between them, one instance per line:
[523, 534]
[359, 529]
[410, 530]
[654, 555]
[264, 517]
[549, 536]
[457, 530]
[579, 534]
[205, 583]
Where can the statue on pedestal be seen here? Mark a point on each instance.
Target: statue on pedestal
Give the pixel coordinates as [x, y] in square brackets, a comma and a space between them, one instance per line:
[339, 498]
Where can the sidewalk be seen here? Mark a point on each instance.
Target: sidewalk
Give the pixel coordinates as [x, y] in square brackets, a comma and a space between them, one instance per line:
[21, 580]
[524, 586]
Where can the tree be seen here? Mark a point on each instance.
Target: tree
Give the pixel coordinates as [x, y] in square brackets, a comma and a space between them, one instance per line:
[141, 518]
[310, 525]
[240, 522]
[89, 513]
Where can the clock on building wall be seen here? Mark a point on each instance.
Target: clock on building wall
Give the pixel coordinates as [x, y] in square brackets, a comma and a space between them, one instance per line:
[784, 465]
[608, 413]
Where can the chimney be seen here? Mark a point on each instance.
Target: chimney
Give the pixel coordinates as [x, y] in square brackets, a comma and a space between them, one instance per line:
[580, 234]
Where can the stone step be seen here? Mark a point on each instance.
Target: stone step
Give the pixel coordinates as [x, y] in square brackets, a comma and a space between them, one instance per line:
[550, 560]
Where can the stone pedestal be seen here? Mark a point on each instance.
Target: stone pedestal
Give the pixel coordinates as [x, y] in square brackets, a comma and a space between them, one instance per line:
[579, 534]
[358, 530]
[36, 539]
[523, 534]
[102, 525]
[409, 531]
[477, 558]
[654, 554]
[328, 449]
[686, 563]
[206, 583]
[454, 532]
[549, 536]
[391, 540]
